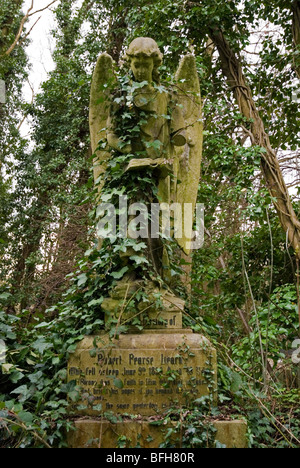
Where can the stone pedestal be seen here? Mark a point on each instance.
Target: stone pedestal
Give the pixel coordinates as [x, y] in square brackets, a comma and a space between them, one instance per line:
[162, 311]
[140, 375]
[102, 434]
[143, 373]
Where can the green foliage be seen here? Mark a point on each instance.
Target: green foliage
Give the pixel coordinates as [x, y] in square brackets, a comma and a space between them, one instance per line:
[189, 428]
[33, 377]
[265, 430]
[13, 71]
[278, 324]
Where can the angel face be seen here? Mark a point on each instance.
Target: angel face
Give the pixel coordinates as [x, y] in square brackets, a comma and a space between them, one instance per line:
[142, 68]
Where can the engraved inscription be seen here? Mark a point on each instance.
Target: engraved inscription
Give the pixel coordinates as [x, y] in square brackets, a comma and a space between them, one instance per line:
[139, 381]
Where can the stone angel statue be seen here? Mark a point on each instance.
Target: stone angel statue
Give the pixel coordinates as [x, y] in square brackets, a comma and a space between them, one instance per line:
[170, 137]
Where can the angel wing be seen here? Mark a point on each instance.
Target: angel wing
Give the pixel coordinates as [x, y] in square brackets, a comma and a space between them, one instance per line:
[190, 155]
[100, 99]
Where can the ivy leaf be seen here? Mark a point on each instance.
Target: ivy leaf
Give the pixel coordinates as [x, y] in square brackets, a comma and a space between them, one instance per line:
[35, 378]
[118, 383]
[82, 279]
[97, 407]
[42, 325]
[82, 407]
[74, 396]
[41, 345]
[26, 417]
[22, 391]
[139, 247]
[16, 376]
[106, 197]
[6, 368]
[154, 144]
[119, 274]
[95, 302]
[55, 361]
[5, 296]
[139, 260]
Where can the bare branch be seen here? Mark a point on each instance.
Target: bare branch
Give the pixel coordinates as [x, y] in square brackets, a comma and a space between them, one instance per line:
[32, 99]
[28, 15]
[233, 71]
[244, 321]
[42, 9]
[24, 19]
[29, 32]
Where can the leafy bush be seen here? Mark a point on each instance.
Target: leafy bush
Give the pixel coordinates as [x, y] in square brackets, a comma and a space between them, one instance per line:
[278, 323]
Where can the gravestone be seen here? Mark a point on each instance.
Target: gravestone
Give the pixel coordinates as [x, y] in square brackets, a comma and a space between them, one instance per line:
[158, 364]
[144, 373]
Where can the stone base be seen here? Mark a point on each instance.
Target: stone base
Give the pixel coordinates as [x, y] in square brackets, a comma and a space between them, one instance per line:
[162, 311]
[233, 434]
[144, 373]
[96, 434]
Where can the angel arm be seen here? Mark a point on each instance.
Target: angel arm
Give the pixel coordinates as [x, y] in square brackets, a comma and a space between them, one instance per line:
[178, 130]
[114, 141]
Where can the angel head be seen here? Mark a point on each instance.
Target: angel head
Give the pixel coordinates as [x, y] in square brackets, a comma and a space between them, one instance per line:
[145, 58]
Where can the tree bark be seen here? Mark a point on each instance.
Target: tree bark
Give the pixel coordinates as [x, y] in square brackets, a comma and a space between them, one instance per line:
[116, 35]
[233, 71]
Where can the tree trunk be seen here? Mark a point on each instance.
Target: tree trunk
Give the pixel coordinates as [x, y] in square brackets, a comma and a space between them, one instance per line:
[116, 35]
[232, 69]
